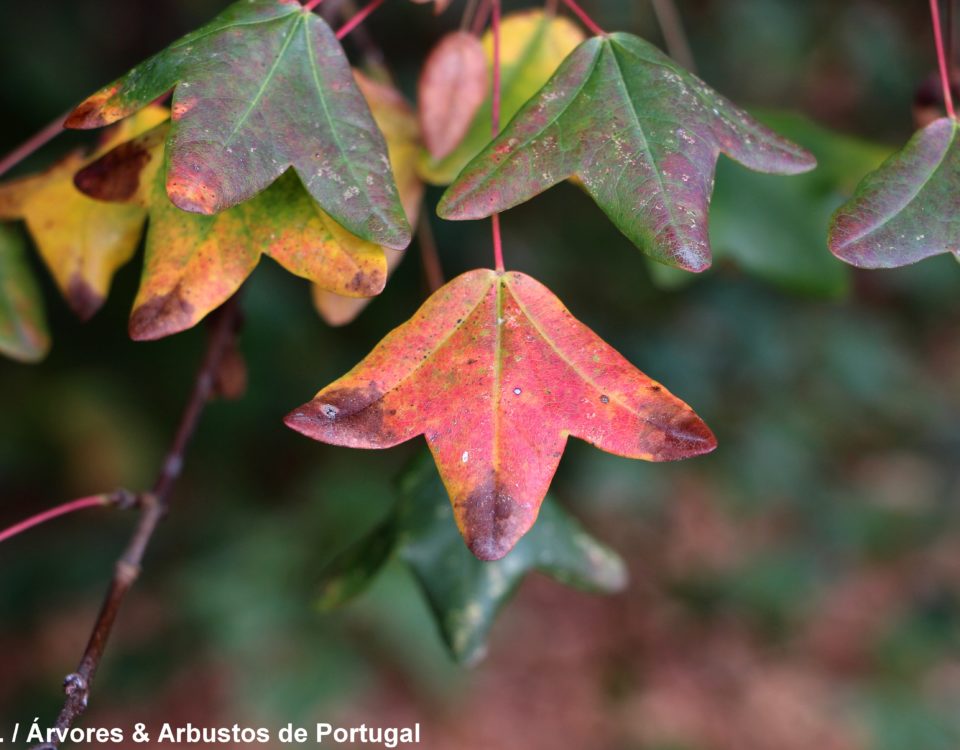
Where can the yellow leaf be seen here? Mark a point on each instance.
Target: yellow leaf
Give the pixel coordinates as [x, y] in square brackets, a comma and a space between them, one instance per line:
[82, 241]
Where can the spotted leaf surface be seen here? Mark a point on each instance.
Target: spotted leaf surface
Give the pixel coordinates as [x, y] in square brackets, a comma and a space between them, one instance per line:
[465, 594]
[23, 325]
[82, 241]
[194, 263]
[263, 87]
[906, 210]
[398, 122]
[641, 133]
[533, 46]
[497, 374]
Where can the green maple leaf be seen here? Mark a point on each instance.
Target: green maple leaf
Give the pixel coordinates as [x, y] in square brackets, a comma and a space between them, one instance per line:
[641, 133]
[23, 325]
[465, 595]
[906, 210]
[263, 87]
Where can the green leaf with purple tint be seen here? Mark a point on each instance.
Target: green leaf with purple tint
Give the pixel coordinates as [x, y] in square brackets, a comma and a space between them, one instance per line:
[466, 595]
[641, 133]
[263, 87]
[906, 210]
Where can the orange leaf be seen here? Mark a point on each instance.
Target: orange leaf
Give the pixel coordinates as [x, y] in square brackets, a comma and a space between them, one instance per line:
[497, 374]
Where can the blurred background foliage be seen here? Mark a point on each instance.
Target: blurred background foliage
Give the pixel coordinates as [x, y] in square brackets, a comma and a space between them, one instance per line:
[799, 588]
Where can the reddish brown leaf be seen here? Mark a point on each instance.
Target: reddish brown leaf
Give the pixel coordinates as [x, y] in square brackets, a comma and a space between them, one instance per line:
[453, 86]
[496, 374]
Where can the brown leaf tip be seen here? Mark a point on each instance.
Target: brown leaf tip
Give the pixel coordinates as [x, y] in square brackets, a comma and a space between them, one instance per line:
[686, 436]
[343, 416]
[116, 175]
[82, 298]
[161, 316]
[95, 112]
[493, 521]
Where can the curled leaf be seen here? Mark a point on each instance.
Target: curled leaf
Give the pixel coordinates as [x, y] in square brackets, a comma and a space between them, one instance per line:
[905, 211]
[263, 87]
[23, 325]
[453, 86]
[496, 374]
[82, 241]
[533, 44]
[641, 133]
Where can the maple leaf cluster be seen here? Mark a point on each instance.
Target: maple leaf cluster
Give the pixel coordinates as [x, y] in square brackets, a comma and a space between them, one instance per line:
[273, 145]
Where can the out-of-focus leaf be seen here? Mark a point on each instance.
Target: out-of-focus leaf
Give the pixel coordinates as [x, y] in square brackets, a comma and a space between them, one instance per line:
[399, 125]
[641, 133]
[906, 210]
[194, 263]
[263, 87]
[533, 45]
[82, 241]
[496, 373]
[774, 229]
[464, 593]
[453, 85]
[23, 325]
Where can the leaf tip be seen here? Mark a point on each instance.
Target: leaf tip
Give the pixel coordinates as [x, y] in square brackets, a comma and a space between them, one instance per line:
[95, 111]
[82, 298]
[161, 316]
[492, 521]
[194, 188]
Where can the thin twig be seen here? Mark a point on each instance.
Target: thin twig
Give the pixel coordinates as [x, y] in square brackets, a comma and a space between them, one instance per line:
[358, 18]
[468, 14]
[429, 256]
[120, 498]
[33, 143]
[942, 58]
[481, 17]
[495, 125]
[675, 36]
[311, 5]
[153, 507]
[584, 18]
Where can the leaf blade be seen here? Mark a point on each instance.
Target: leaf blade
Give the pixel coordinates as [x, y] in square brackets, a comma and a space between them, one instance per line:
[269, 89]
[646, 156]
[496, 374]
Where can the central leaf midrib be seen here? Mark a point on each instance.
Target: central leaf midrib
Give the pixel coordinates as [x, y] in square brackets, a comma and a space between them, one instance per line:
[267, 80]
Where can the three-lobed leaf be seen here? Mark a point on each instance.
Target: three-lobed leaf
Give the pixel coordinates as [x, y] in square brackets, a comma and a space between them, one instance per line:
[82, 241]
[533, 44]
[465, 594]
[194, 263]
[906, 210]
[496, 373]
[263, 87]
[23, 324]
[641, 133]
